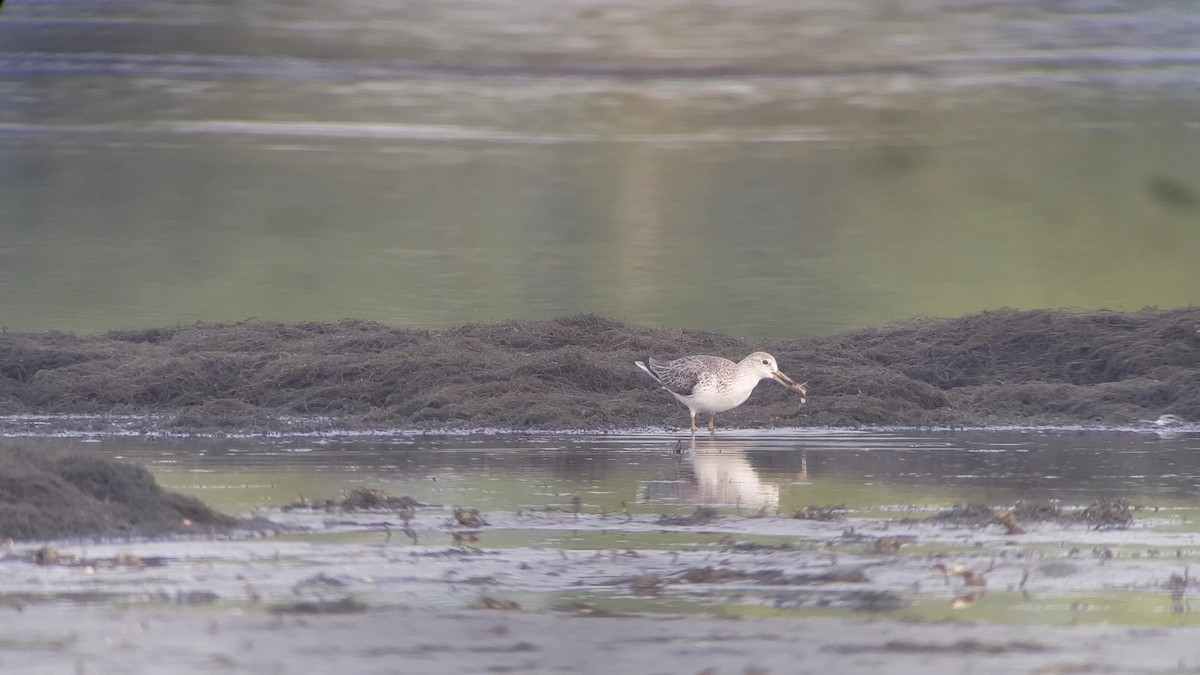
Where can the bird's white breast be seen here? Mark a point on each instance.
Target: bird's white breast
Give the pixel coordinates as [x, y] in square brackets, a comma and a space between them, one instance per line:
[713, 395]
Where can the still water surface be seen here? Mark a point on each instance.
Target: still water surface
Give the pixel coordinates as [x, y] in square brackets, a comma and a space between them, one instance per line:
[783, 471]
[765, 169]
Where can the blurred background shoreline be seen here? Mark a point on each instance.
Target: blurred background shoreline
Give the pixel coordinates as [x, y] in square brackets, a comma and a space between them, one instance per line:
[762, 169]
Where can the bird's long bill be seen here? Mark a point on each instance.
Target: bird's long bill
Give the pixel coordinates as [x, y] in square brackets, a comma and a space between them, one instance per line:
[799, 388]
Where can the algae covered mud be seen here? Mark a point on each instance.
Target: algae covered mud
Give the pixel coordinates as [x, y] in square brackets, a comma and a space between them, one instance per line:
[785, 551]
[994, 368]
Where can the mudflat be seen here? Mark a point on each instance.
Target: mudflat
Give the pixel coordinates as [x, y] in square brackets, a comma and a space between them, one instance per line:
[482, 641]
[378, 583]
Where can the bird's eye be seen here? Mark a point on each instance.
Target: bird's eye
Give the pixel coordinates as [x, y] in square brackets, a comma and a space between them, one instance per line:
[766, 362]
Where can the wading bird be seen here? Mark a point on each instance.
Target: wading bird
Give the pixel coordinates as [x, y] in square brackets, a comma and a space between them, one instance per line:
[711, 384]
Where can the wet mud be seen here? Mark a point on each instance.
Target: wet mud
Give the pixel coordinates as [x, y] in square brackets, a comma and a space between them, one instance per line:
[483, 641]
[827, 595]
[995, 368]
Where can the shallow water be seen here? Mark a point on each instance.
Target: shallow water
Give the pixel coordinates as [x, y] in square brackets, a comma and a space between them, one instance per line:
[537, 551]
[431, 164]
[784, 470]
[502, 472]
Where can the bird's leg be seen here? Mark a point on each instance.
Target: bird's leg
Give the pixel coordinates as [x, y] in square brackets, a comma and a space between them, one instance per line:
[693, 424]
[712, 421]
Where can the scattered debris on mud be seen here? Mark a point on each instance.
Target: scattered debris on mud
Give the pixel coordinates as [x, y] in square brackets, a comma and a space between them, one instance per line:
[729, 544]
[321, 606]
[1108, 512]
[890, 544]
[318, 594]
[47, 495]
[1178, 585]
[959, 647]
[585, 609]
[468, 517]
[359, 499]
[774, 577]
[48, 556]
[970, 515]
[703, 515]
[710, 575]
[1102, 513]
[822, 513]
[366, 498]
[488, 602]
[576, 372]
[969, 576]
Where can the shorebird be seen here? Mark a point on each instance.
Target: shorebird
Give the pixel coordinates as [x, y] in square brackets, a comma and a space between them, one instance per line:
[1168, 421]
[712, 384]
[1164, 422]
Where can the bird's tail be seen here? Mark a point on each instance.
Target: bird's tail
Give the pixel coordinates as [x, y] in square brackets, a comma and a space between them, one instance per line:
[644, 365]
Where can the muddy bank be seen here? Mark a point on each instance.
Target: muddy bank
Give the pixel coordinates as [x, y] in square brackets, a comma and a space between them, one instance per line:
[994, 368]
[51, 495]
[51, 639]
[770, 593]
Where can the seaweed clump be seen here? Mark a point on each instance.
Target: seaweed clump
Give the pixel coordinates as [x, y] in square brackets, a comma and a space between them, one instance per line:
[48, 495]
[576, 372]
[1108, 513]
[359, 499]
[703, 515]
[1105, 512]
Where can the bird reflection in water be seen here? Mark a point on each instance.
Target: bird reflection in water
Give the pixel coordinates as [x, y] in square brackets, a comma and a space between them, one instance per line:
[718, 473]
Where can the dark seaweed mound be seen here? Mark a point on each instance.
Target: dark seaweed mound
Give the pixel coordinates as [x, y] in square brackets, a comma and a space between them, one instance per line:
[577, 372]
[51, 495]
